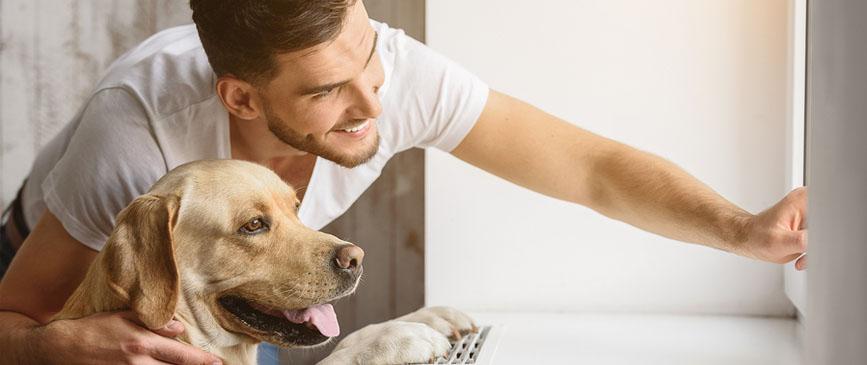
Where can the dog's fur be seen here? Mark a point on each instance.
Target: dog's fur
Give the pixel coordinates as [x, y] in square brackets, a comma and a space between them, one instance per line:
[178, 251]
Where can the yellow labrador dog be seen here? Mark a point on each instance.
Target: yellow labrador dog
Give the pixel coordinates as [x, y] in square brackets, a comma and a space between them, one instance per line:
[219, 246]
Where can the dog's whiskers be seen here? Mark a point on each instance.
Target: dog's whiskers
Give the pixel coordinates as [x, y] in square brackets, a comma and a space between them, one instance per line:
[309, 292]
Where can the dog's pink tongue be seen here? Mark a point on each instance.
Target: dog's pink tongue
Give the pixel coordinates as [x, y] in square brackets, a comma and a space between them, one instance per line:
[321, 315]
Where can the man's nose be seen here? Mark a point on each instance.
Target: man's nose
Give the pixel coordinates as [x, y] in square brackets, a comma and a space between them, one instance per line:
[348, 257]
[366, 103]
[370, 106]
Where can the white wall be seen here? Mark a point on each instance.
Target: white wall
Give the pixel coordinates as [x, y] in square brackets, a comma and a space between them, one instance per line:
[701, 83]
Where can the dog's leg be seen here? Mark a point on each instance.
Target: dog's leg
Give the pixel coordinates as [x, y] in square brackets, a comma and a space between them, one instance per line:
[417, 337]
[392, 342]
[446, 320]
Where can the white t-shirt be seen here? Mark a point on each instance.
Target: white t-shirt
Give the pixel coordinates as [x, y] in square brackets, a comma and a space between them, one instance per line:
[156, 108]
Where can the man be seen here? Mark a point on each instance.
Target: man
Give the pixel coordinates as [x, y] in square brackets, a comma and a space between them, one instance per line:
[309, 88]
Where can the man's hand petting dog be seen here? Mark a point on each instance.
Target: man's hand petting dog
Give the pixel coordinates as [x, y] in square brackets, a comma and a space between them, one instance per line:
[418, 337]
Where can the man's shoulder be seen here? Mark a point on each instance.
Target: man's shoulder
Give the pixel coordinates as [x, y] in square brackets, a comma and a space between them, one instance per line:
[428, 99]
[167, 73]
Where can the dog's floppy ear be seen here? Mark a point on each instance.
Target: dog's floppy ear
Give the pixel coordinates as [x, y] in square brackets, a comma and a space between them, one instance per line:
[140, 258]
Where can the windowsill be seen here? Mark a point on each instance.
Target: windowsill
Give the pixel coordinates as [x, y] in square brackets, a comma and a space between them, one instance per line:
[593, 338]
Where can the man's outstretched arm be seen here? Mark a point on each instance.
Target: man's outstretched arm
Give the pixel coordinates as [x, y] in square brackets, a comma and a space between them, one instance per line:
[531, 148]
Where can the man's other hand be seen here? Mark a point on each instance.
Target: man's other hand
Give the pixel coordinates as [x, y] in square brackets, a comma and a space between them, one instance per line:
[117, 338]
[779, 234]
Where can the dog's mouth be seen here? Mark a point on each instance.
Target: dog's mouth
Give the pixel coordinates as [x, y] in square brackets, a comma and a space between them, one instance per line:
[289, 328]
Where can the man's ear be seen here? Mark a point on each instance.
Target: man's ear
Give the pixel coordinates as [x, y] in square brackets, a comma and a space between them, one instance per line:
[239, 97]
[140, 258]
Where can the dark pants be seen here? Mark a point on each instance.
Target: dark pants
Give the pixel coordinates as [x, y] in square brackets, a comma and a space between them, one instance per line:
[14, 213]
[6, 251]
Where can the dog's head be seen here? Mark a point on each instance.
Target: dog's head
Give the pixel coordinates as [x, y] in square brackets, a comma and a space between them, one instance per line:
[223, 238]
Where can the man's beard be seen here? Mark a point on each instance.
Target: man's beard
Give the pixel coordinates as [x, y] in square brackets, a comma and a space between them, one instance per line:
[310, 145]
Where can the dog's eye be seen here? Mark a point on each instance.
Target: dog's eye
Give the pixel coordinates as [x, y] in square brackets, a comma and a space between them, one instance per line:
[297, 206]
[254, 226]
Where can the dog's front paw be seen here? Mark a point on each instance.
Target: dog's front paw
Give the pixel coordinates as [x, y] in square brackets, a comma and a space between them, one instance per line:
[392, 342]
[446, 320]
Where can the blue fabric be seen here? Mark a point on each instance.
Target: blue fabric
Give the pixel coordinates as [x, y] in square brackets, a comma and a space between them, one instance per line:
[268, 354]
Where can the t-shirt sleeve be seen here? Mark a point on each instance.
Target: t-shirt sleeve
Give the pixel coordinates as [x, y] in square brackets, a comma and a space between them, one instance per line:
[441, 99]
[112, 158]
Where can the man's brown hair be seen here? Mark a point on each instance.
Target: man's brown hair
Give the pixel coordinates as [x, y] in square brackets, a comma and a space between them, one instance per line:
[242, 37]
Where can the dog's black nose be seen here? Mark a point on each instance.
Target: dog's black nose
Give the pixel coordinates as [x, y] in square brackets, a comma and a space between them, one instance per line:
[349, 257]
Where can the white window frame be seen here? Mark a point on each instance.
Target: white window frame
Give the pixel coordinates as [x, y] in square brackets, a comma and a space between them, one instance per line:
[796, 281]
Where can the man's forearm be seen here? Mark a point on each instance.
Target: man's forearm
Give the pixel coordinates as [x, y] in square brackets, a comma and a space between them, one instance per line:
[653, 194]
[543, 153]
[19, 342]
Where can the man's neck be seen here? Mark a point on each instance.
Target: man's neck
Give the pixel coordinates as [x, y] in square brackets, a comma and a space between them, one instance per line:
[251, 140]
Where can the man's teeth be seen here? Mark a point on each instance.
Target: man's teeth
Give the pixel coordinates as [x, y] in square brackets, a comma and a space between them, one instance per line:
[355, 129]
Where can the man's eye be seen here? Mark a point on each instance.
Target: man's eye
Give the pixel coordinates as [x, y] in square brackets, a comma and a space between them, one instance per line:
[323, 93]
[254, 226]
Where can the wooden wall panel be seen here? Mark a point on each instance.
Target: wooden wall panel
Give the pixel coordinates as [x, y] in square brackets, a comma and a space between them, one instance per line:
[51, 55]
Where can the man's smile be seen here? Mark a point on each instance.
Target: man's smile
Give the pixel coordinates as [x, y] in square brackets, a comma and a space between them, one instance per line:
[357, 130]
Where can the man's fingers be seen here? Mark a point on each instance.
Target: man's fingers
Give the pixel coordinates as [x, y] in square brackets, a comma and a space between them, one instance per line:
[174, 352]
[796, 199]
[132, 317]
[801, 264]
[173, 329]
[163, 349]
[789, 258]
[798, 241]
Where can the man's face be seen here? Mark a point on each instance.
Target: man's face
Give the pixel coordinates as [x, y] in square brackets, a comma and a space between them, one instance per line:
[324, 99]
